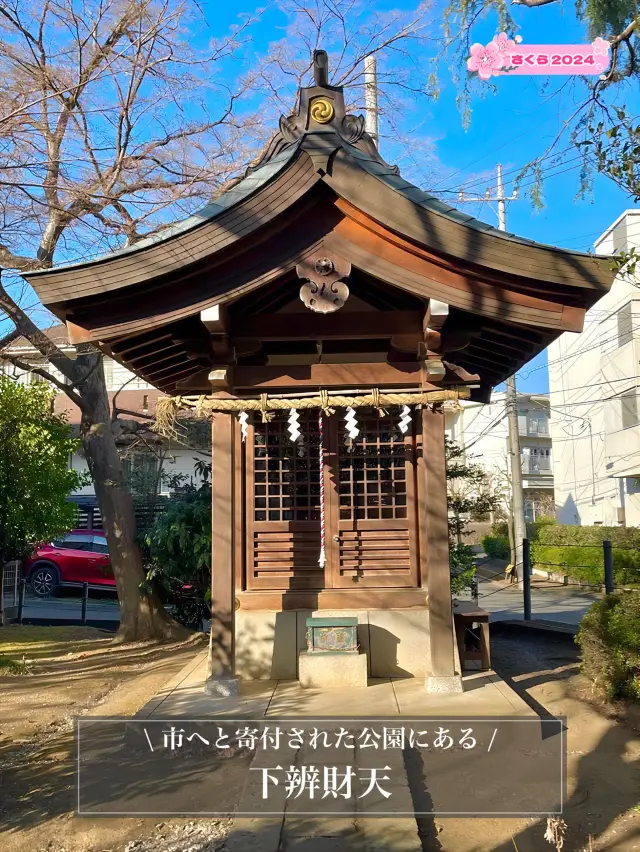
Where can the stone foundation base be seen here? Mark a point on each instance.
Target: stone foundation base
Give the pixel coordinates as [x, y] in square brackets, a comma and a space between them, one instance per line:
[395, 642]
[330, 671]
[444, 684]
[221, 687]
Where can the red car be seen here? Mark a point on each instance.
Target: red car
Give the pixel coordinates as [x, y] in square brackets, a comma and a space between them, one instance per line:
[79, 557]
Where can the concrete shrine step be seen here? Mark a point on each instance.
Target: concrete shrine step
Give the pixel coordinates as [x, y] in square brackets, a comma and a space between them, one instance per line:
[293, 830]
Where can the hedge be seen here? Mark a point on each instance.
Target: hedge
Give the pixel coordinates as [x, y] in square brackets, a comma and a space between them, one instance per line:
[496, 547]
[577, 552]
[609, 638]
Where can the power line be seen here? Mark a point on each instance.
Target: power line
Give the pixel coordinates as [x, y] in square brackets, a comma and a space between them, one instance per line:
[471, 184]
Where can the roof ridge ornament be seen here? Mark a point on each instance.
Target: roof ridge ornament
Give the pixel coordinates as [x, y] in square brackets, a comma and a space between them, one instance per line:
[321, 68]
[321, 124]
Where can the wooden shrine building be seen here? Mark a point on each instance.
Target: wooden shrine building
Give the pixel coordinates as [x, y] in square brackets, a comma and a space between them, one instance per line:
[321, 311]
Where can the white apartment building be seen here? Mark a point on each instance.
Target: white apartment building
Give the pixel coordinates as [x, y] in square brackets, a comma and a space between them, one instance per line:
[148, 455]
[481, 430]
[593, 380]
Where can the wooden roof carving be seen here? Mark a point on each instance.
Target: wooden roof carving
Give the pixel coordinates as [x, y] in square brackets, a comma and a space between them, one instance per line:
[323, 190]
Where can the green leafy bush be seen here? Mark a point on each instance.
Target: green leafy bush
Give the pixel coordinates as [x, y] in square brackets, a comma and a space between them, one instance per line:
[496, 547]
[609, 639]
[577, 552]
[35, 480]
[534, 528]
[178, 543]
[463, 568]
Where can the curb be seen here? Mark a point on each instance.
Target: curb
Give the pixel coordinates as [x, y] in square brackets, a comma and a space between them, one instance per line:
[151, 706]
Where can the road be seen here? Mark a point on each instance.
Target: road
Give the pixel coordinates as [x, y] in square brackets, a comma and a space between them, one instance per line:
[101, 611]
[549, 601]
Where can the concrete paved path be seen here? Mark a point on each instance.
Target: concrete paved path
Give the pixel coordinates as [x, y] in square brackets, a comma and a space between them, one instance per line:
[485, 694]
[549, 601]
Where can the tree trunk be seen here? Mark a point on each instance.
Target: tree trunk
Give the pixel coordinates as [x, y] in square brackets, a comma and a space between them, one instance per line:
[142, 615]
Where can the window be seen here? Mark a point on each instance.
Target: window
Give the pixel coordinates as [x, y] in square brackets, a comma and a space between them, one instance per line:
[373, 471]
[535, 459]
[74, 542]
[538, 423]
[286, 475]
[141, 472]
[624, 319]
[99, 544]
[629, 408]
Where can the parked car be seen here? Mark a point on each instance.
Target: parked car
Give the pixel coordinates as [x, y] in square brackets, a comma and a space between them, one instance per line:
[81, 556]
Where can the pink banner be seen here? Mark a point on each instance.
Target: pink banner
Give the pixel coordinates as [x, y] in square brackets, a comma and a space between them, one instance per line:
[503, 56]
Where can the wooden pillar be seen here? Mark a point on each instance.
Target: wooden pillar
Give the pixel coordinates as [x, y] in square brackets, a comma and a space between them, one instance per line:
[443, 672]
[220, 679]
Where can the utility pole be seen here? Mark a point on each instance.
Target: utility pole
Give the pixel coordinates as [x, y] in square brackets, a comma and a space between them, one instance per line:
[371, 98]
[517, 493]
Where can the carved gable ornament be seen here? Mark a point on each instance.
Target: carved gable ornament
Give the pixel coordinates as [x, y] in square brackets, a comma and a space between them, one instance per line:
[324, 292]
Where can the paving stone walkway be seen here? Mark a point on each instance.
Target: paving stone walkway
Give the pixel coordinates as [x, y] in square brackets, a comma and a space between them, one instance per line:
[485, 695]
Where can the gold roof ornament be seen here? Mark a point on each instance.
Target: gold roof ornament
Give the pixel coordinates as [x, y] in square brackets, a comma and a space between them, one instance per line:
[322, 110]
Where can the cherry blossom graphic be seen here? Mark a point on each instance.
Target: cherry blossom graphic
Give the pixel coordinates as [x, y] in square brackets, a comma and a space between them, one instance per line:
[506, 46]
[601, 47]
[486, 60]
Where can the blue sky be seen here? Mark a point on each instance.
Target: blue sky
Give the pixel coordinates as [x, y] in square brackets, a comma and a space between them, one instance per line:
[512, 123]
[511, 126]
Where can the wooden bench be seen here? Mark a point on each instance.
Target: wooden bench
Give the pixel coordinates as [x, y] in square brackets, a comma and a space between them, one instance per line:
[472, 634]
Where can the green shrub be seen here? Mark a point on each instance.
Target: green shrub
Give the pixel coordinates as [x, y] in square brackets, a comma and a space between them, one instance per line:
[500, 530]
[609, 639]
[534, 528]
[496, 547]
[577, 552]
[463, 568]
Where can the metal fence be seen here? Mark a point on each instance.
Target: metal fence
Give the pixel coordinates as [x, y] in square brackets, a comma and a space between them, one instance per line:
[10, 576]
[546, 592]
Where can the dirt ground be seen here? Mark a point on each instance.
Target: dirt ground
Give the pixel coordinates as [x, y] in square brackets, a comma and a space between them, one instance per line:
[77, 671]
[603, 743]
[36, 747]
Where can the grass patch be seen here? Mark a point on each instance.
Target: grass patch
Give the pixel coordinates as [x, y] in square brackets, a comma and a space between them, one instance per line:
[43, 643]
[9, 666]
[13, 667]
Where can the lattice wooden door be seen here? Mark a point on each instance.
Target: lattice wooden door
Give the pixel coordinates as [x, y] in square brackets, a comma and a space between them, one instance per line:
[371, 536]
[283, 506]
[374, 541]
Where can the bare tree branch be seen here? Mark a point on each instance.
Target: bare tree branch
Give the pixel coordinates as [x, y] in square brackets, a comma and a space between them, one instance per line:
[532, 3]
[45, 374]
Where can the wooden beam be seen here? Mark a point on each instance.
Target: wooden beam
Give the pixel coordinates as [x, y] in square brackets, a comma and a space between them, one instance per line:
[173, 377]
[384, 255]
[77, 334]
[126, 345]
[186, 362]
[144, 361]
[329, 375]
[437, 544]
[221, 662]
[196, 381]
[332, 599]
[343, 325]
[214, 319]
